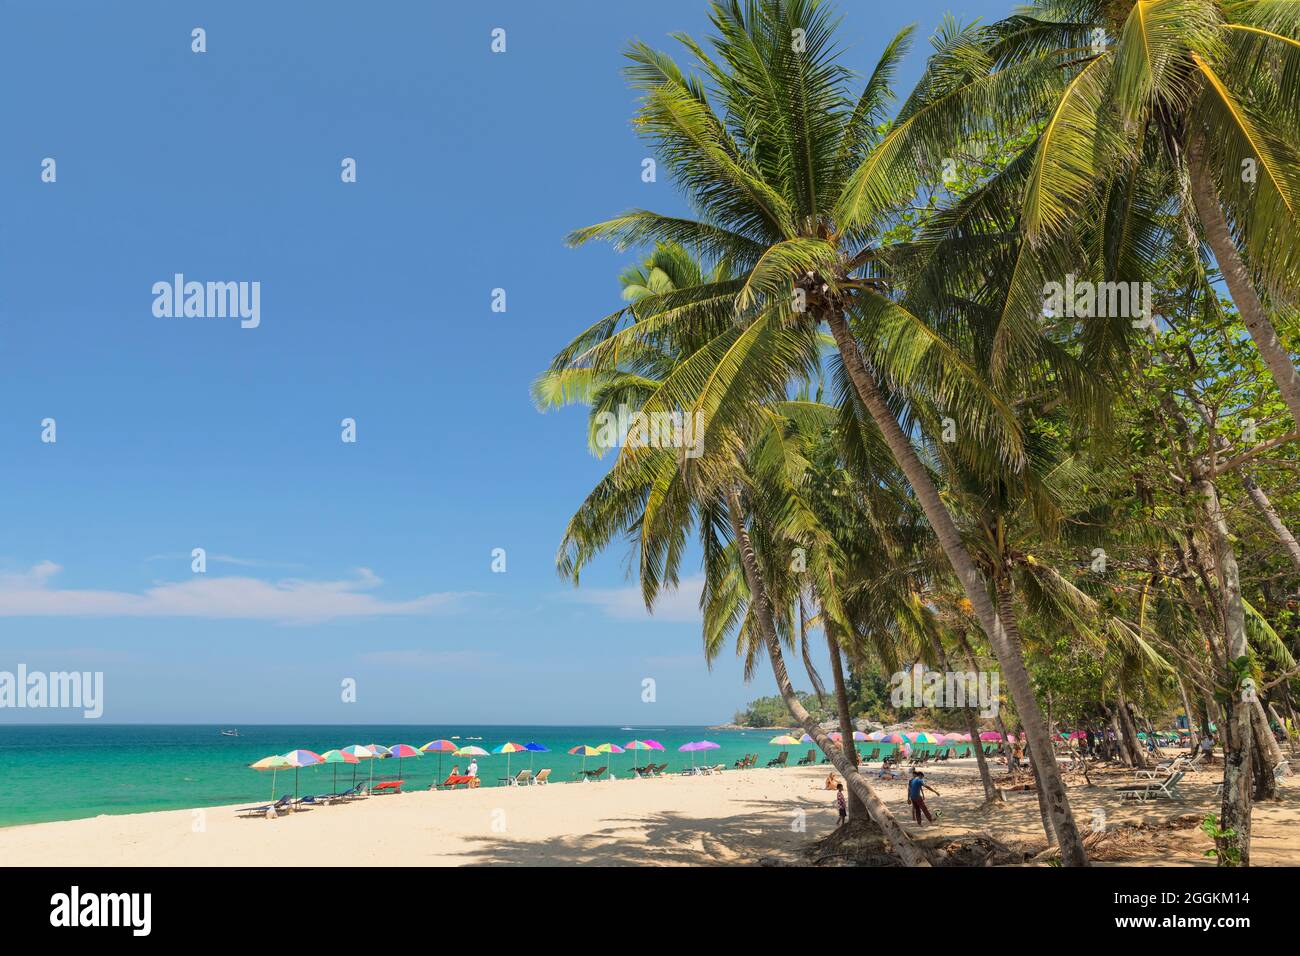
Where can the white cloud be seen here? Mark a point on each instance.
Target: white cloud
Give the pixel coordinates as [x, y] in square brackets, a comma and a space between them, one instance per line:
[626, 604]
[30, 594]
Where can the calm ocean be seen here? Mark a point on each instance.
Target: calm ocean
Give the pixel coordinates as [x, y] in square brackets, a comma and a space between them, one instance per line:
[62, 772]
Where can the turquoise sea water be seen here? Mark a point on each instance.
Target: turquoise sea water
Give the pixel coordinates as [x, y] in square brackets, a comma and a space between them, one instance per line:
[63, 772]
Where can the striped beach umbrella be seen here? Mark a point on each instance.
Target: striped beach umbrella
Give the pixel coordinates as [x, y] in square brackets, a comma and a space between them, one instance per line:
[508, 749]
[635, 745]
[274, 763]
[609, 748]
[299, 759]
[337, 757]
[584, 751]
[439, 747]
[403, 750]
[784, 740]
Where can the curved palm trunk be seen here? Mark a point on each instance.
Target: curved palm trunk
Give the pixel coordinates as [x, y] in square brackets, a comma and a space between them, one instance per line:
[1236, 727]
[1206, 199]
[1271, 516]
[945, 529]
[1272, 750]
[856, 806]
[972, 728]
[1044, 814]
[760, 609]
[1267, 754]
[1130, 732]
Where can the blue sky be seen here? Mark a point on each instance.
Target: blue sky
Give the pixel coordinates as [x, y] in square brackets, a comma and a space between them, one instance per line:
[327, 560]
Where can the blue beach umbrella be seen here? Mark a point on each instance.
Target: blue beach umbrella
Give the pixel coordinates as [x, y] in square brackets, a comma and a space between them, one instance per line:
[534, 748]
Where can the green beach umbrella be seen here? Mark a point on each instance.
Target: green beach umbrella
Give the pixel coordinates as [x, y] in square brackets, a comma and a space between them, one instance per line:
[361, 752]
[337, 757]
[635, 745]
[608, 748]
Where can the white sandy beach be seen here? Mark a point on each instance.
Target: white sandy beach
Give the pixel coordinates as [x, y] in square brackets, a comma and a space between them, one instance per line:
[737, 817]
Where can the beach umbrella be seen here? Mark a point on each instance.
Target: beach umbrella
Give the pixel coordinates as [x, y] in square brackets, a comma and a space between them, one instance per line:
[582, 750]
[925, 737]
[403, 750]
[893, 739]
[635, 745]
[608, 748]
[877, 735]
[273, 763]
[299, 759]
[337, 757]
[532, 749]
[439, 747]
[508, 749]
[696, 745]
[378, 751]
[806, 739]
[785, 740]
[360, 752]
[992, 735]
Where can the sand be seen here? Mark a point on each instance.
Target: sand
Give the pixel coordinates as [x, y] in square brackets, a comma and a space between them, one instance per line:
[734, 818]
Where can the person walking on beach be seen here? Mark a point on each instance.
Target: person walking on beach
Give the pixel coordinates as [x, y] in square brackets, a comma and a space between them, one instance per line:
[840, 804]
[916, 798]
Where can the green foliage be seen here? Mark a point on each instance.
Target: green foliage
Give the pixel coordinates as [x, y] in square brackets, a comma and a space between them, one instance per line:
[772, 712]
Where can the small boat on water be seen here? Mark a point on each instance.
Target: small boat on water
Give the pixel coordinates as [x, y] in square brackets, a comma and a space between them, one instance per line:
[230, 733]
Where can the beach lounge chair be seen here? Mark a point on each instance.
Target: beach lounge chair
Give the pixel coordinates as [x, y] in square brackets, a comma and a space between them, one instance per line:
[658, 769]
[522, 778]
[284, 804]
[457, 780]
[811, 758]
[591, 774]
[388, 786]
[780, 759]
[1153, 789]
[542, 777]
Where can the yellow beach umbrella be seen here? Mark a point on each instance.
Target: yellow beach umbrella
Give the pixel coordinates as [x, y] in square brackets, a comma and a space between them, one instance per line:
[273, 763]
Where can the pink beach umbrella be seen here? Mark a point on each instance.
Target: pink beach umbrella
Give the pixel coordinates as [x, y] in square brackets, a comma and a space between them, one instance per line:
[609, 748]
[697, 745]
[403, 750]
[439, 747]
[635, 745]
[299, 759]
[337, 757]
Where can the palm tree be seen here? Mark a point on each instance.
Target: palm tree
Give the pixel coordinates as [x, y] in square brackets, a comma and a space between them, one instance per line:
[656, 493]
[794, 183]
[1204, 92]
